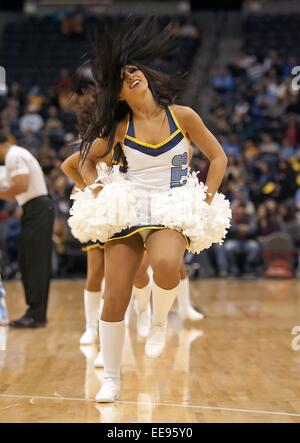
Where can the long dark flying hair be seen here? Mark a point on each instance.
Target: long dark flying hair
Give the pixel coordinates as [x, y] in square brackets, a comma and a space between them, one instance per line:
[137, 42]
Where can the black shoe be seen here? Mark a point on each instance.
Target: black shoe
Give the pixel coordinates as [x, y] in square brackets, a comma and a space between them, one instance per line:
[27, 322]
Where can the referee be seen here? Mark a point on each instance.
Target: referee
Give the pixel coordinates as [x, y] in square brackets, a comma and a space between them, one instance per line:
[28, 187]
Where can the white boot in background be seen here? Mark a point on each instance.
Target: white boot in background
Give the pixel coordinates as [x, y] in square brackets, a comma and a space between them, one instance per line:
[112, 336]
[156, 340]
[98, 363]
[185, 308]
[91, 311]
[143, 309]
[162, 301]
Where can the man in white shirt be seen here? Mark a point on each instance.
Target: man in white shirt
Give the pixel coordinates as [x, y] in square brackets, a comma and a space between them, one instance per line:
[27, 185]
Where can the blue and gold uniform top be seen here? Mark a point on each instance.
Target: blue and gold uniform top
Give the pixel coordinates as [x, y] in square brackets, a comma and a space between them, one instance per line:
[161, 166]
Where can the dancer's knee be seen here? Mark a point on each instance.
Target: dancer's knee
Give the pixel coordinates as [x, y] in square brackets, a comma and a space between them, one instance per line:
[166, 272]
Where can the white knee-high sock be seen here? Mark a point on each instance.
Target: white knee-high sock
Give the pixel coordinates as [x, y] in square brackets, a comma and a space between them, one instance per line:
[112, 336]
[184, 300]
[91, 308]
[143, 295]
[162, 301]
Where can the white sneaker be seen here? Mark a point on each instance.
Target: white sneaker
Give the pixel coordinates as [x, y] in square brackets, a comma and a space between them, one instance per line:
[143, 322]
[156, 340]
[109, 391]
[189, 313]
[98, 363]
[89, 337]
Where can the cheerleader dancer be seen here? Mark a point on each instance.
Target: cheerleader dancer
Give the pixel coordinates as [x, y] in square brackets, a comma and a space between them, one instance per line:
[156, 203]
[93, 301]
[95, 266]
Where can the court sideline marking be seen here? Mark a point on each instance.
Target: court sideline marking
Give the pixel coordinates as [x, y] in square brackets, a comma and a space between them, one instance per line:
[174, 405]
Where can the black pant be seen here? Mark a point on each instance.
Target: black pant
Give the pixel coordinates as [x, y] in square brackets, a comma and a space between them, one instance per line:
[36, 254]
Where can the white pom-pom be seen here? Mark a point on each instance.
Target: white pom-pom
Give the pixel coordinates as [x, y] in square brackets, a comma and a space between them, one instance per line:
[121, 205]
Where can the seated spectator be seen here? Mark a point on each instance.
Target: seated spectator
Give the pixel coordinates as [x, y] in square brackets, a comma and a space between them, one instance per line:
[267, 222]
[290, 221]
[231, 145]
[35, 98]
[244, 61]
[31, 141]
[9, 116]
[285, 179]
[31, 120]
[217, 256]
[72, 22]
[54, 127]
[292, 129]
[255, 71]
[188, 29]
[222, 80]
[269, 152]
[17, 94]
[59, 14]
[287, 149]
[288, 66]
[241, 197]
[241, 243]
[47, 157]
[64, 81]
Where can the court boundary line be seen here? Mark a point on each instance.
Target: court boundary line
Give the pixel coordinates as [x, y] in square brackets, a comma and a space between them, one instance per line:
[173, 405]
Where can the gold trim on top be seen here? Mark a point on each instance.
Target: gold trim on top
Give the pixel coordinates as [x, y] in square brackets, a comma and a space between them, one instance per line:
[149, 145]
[179, 127]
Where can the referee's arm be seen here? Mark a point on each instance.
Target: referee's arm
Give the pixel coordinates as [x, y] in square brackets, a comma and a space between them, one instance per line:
[19, 185]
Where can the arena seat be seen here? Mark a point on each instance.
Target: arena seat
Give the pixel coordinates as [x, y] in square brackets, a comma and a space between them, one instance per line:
[278, 255]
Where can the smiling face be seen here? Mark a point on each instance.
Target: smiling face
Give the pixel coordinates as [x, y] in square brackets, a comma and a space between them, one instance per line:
[134, 83]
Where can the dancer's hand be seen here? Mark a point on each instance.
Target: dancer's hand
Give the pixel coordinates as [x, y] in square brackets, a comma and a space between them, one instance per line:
[208, 198]
[95, 188]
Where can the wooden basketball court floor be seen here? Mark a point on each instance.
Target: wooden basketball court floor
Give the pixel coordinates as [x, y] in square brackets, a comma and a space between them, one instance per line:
[237, 365]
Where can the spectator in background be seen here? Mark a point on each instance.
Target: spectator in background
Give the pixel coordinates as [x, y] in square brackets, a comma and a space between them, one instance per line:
[222, 80]
[241, 242]
[267, 222]
[297, 198]
[64, 81]
[287, 149]
[290, 221]
[72, 21]
[59, 14]
[47, 157]
[288, 65]
[31, 141]
[17, 94]
[188, 29]
[31, 120]
[35, 98]
[269, 150]
[54, 129]
[9, 116]
[285, 179]
[292, 130]
[241, 197]
[231, 145]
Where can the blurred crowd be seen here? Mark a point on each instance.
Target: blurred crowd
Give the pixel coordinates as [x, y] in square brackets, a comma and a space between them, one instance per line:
[255, 114]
